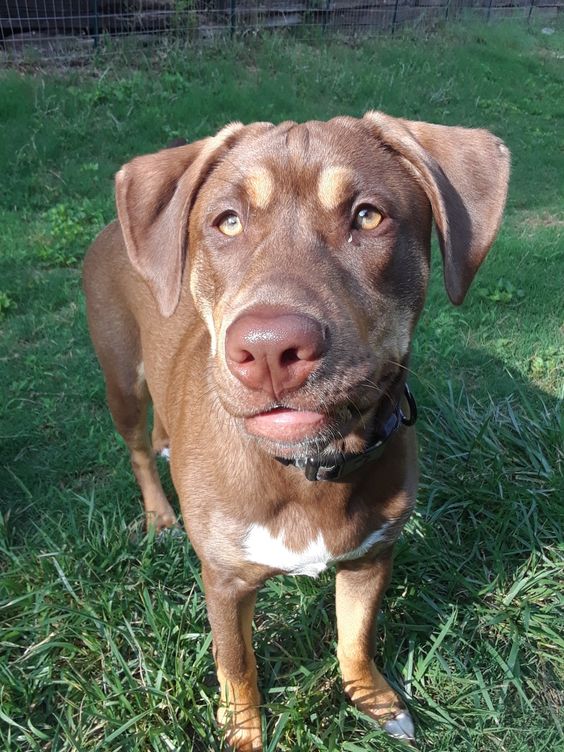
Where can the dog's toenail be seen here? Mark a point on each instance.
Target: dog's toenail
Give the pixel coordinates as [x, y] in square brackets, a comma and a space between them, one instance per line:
[401, 727]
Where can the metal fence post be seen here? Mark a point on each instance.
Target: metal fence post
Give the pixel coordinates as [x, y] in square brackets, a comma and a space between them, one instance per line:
[395, 18]
[232, 18]
[489, 11]
[531, 6]
[96, 27]
[446, 10]
[325, 14]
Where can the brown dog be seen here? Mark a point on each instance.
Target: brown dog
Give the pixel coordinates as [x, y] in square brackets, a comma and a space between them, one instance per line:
[261, 287]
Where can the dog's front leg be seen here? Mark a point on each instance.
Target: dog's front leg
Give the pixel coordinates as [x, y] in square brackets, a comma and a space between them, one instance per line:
[231, 605]
[359, 590]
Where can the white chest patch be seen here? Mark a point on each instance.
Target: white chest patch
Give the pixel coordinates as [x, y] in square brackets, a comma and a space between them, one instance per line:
[261, 547]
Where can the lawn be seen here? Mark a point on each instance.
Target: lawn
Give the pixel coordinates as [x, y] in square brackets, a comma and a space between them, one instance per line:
[104, 643]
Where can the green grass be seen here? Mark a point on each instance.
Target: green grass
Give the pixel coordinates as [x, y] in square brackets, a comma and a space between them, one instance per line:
[104, 642]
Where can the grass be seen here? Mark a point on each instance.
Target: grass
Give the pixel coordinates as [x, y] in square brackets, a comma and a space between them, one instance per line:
[104, 643]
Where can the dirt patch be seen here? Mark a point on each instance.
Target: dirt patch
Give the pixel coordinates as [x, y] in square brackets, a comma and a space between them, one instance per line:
[536, 220]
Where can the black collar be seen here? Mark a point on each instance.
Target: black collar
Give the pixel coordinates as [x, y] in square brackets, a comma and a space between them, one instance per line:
[348, 463]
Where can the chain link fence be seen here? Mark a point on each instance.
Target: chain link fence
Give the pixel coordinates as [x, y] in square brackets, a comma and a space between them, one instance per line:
[59, 28]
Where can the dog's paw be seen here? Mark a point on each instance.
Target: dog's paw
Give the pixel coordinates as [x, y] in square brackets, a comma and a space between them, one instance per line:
[240, 741]
[400, 726]
[242, 728]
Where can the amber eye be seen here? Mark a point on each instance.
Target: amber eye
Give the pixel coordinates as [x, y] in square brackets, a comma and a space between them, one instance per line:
[230, 225]
[367, 218]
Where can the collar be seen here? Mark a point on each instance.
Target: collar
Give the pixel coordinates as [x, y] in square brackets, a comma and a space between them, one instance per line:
[348, 463]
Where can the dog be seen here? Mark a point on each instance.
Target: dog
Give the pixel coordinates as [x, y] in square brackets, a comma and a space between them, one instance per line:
[261, 287]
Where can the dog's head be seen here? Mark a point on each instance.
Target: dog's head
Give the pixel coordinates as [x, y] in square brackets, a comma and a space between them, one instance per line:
[306, 250]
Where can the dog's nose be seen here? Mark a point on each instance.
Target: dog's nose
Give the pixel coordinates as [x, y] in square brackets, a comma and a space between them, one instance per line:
[274, 351]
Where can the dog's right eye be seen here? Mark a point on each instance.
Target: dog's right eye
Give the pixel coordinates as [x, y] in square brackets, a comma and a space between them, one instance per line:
[230, 225]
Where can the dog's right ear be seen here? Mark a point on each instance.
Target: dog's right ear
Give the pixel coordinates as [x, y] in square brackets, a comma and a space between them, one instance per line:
[154, 194]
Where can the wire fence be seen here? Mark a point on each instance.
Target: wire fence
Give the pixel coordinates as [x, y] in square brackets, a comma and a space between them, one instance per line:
[58, 28]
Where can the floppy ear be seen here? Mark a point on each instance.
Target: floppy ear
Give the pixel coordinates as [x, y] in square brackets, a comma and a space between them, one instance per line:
[465, 174]
[154, 194]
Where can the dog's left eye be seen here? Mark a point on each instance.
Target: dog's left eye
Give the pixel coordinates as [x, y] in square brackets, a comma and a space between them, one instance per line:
[367, 218]
[230, 225]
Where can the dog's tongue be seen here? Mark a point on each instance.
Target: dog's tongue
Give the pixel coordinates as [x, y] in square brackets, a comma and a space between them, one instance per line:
[283, 424]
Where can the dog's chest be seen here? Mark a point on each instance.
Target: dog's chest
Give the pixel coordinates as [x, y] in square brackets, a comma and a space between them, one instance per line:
[262, 547]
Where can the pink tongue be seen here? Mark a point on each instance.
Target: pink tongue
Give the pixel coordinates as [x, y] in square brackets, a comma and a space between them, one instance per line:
[285, 425]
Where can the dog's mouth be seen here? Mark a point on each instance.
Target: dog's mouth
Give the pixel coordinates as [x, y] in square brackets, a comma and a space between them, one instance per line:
[287, 429]
[290, 432]
[286, 425]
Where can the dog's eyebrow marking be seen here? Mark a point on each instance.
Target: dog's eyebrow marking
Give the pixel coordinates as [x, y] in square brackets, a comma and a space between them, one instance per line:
[332, 185]
[260, 187]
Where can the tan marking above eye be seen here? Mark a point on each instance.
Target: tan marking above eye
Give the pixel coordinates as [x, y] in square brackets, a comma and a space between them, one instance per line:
[367, 218]
[230, 225]
[333, 185]
[260, 187]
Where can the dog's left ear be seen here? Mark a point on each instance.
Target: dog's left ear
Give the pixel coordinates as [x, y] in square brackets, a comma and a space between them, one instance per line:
[465, 174]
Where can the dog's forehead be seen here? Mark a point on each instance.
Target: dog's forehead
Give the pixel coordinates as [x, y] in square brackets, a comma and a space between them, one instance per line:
[328, 159]
[301, 144]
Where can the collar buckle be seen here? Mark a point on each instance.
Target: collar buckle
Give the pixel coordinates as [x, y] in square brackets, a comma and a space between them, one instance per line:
[311, 469]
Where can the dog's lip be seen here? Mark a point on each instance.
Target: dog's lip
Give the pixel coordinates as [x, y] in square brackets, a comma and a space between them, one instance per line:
[286, 424]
